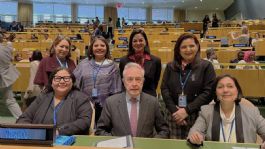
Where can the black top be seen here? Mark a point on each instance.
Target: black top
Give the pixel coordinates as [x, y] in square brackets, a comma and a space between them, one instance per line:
[152, 70]
[198, 86]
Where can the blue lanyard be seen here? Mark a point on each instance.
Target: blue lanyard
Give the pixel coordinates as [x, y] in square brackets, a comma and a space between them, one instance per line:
[95, 72]
[56, 109]
[61, 64]
[231, 128]
[185, 81]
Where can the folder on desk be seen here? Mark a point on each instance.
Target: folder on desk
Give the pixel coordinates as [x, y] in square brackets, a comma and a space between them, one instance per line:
[121, 142]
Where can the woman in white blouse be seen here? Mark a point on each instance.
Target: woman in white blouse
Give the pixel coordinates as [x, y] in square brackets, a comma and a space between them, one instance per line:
[228, 120]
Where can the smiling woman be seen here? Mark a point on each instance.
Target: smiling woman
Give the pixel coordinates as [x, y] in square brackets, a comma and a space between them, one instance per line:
[59, 57]
[186, 85]
[228, 119]
[98, 76]
[62, 105]
[139, 52]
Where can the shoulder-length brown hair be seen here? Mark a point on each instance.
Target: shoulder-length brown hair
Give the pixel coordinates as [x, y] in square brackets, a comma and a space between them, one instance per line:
[177, 57]
[240, 93]
[90, 53]
[131, 50]
[58, 39]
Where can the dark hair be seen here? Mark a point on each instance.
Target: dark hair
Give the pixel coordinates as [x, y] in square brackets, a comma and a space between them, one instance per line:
[36, 55]
[90, 53]
[177, 56]
[209, 53]
[49, 85]
[131, 50]
[73, 47]
[239, 95]
[58, 39]
[78, 36]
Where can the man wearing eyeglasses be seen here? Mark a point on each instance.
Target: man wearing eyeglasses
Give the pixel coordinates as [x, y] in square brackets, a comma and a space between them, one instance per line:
[132, 112]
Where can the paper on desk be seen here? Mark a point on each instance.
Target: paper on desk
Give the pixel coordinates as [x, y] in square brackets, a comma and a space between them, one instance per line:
[120, 142]
[243, 148]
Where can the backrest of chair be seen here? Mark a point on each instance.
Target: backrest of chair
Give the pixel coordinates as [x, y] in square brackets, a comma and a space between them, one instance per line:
[92, 124]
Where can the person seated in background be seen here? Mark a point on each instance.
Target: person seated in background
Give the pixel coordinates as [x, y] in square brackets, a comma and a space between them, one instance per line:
[13, 27]
[62, 105]
[243, 38]
[240, 56]
[77, 51]
[249, 57]
[212, 57]
[18, 57]
[32, 89]
[132, 112]
[78, 37]
[165, 30]
[228, 119]
[256, 39]
[34, 37]
[46, 38]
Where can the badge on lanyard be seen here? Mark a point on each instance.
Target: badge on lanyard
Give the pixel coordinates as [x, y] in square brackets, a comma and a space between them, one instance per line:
[95, 73]
[182, 101]
[94, 93]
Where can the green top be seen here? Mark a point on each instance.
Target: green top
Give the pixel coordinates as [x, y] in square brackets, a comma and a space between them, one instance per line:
[153, 143]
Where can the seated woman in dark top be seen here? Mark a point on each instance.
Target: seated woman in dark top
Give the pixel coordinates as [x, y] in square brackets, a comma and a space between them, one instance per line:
[62, 105]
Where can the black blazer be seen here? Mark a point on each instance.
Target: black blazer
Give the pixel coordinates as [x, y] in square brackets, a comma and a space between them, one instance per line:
[152, 70]
[198, 88]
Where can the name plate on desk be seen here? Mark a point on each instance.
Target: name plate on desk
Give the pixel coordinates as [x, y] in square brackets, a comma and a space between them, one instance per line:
[210, 37]
[123, 38]
[122, 46]
[32, 134]
[240, 45]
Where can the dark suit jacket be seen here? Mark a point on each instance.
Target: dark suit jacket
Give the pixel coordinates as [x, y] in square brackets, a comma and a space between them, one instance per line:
[114, 119]
[152, 70]
[73, 118]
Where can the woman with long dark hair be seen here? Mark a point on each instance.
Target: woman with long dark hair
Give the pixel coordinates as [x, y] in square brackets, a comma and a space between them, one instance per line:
[139, 52]
[186, 85]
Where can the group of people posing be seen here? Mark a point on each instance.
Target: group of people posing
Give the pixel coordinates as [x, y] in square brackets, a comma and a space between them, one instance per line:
[124, 96]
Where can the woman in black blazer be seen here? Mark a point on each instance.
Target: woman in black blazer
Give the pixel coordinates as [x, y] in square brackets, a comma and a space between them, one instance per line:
[139, 52]
[186, 85]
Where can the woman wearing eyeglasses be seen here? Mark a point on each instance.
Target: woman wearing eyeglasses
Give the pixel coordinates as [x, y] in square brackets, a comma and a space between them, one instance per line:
[62, 105]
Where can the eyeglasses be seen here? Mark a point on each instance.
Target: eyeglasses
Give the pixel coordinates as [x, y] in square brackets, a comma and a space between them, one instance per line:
[137, 79]
[59, 78]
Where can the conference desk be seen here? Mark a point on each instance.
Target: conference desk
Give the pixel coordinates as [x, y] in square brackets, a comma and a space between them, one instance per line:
[43, 147]
[89, 142]
[148, 143]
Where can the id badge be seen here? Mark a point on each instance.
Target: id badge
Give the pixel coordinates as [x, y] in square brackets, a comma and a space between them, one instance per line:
[94, 92]
[182, 101]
